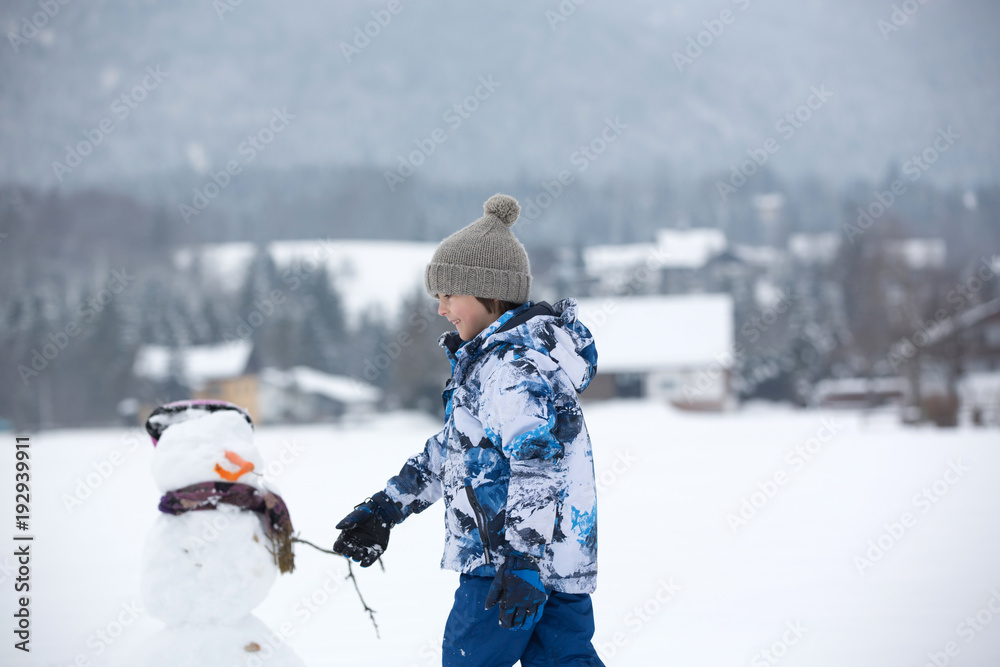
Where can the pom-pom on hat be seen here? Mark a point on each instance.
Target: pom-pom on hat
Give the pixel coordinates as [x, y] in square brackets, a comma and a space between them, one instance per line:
[483, 259]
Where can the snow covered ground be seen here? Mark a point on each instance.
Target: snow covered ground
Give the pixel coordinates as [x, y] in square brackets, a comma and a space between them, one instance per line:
[882, 548]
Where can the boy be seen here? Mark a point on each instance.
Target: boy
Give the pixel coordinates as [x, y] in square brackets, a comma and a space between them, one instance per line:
[513, 462]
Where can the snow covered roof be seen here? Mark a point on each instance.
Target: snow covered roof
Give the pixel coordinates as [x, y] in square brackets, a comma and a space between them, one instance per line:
[674, 248]
[770, 201]
[311, 381]
[357, 268]
[859, 386]
[648, 333]
[818, 248]
[919, 253]
[689, 248]
[197, 364]
[767, 294]
[759, 255]
[983, 381]
[946, 328]
[601, 258]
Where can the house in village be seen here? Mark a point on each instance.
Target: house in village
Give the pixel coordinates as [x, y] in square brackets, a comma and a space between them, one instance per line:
[918, 254]
[678, 349]
[814, 248]
[684, 261]
[303, 394]
[979, 397]
[949, 371]
[672, 264]
[230, 372]
[853, 393]
[222, 371]
[963, 353]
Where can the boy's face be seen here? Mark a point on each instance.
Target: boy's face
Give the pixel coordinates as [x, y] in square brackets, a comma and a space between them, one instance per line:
[468, 315]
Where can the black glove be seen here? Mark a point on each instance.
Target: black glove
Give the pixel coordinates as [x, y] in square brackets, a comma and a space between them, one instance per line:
[519, 590]
[365, 531]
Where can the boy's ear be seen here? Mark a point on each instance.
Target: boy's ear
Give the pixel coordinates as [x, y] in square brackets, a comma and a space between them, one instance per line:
[493, 306]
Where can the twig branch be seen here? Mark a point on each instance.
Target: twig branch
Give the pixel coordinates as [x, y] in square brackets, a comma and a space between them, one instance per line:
[371, 612]
[350, 575]
[326, 551]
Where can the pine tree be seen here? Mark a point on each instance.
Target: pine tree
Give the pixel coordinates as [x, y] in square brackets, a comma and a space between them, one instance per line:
[419, 374]
[263, 319]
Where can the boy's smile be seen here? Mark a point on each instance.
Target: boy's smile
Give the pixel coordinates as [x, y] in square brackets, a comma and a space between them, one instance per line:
[465, 312]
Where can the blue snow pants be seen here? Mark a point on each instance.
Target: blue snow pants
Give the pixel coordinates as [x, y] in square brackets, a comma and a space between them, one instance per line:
[473, 636]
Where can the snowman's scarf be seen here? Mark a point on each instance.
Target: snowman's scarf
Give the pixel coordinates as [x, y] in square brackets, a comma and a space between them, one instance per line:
[207, 496]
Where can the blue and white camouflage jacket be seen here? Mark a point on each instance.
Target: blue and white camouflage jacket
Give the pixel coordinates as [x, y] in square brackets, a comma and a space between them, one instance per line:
[513, 461]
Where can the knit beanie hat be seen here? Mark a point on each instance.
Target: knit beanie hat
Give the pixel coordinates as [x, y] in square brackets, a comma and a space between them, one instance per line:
[483, 259]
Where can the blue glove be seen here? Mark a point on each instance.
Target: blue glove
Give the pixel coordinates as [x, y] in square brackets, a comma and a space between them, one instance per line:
[519, 590]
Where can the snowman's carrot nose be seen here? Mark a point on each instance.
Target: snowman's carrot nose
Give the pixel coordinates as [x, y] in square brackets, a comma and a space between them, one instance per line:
[233, 457]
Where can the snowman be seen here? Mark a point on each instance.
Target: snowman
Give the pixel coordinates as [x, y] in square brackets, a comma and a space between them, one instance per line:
[217, 546]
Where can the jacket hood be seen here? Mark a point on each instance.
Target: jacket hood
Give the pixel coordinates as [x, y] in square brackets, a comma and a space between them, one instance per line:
[552, 330]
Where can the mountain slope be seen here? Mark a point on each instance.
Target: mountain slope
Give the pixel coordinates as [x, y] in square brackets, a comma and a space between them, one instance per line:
[557, 85]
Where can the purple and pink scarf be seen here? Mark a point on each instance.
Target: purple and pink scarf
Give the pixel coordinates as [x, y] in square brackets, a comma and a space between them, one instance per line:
[270, 506]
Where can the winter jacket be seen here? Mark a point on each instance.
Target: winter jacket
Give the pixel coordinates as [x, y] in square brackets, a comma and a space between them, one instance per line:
[513, 461]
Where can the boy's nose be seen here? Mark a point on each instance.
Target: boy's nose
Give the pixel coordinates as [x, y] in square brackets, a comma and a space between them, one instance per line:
[441, 310]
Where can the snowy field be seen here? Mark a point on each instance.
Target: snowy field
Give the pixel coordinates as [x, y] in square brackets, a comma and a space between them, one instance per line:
[879, 548]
